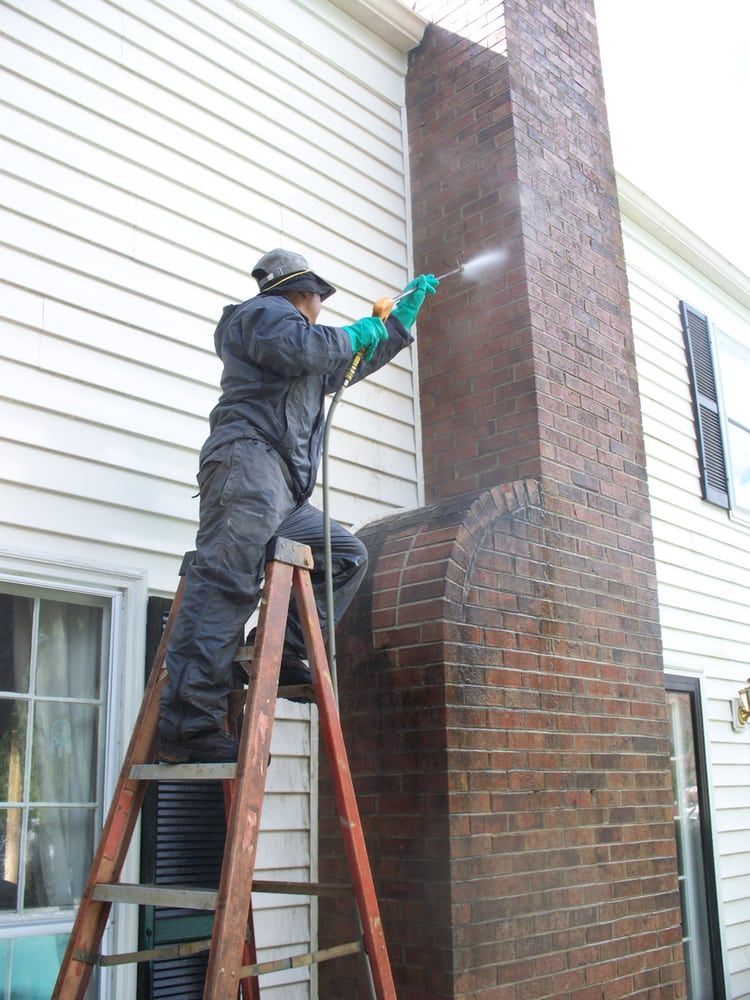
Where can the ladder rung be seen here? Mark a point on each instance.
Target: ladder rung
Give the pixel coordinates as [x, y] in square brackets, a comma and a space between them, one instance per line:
[187, 897]
[183, 772]
[244, 655]
[297, 691]
[299, 961]
[182, 897]
[302, 888]
[185, 949]
[182, 949]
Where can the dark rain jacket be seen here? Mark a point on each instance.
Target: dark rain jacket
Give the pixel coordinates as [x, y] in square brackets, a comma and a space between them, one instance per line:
[278, 369]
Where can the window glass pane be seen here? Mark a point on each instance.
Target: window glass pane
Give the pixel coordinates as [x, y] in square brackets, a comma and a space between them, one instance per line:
[690, 866]
[69, 650]
[10, 848]
[739, 451]
[64, 752]
[54, 657]
[28, 966]
[16, 617]
[60, 848]
[734, 360]
[12, 748]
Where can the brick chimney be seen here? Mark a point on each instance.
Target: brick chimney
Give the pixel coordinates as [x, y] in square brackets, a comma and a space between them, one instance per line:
[501, 673]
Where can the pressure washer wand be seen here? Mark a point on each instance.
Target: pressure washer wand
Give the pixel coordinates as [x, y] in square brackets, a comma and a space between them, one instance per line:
[407, 291]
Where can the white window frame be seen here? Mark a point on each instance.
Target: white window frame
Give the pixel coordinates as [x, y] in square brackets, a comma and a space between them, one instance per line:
[127, 590]
[706, 349]
[720, 336]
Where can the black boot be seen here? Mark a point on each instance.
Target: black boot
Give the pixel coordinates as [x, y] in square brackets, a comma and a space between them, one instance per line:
[216, 746]
[294, 671]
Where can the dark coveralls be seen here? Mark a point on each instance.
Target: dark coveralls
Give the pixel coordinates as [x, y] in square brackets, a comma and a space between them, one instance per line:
[257, 471]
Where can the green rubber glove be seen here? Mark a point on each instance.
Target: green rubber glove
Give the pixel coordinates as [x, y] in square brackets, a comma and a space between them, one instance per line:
[365, 334]
[406, 309]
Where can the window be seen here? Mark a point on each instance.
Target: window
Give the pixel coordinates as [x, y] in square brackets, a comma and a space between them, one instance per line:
[719, 368]
[54, 663]
[695, 864]
[734, 365]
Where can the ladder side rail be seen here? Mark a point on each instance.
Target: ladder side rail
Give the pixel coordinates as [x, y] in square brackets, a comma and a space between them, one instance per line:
[91, 917]
[250, 987]
[230, 921]
[351, 824]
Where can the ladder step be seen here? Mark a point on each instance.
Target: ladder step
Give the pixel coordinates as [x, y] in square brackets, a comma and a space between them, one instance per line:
[300, 961]
[181, 897]
[305, 692]
[302, 888]
[182, 949]
[183, 772]
[185, 949]
[190, 898]
[297, 691]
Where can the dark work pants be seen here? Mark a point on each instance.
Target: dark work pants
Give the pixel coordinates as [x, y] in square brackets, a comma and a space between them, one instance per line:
[245, 501]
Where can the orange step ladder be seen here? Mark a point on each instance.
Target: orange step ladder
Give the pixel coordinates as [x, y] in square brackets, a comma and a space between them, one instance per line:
[232, 965]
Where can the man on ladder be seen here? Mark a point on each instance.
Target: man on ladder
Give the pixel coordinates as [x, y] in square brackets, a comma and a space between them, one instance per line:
[256, 475]
[257, 472]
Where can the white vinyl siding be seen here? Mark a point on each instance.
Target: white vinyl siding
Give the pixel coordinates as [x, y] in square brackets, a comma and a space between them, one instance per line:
[151, 152]
[287, 850]
[702, 552]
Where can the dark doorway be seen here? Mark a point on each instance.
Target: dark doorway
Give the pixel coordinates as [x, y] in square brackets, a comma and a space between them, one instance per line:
[695, 855]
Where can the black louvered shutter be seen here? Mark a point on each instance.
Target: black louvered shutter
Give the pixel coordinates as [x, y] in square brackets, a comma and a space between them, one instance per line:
[711, 455]
[182, 843]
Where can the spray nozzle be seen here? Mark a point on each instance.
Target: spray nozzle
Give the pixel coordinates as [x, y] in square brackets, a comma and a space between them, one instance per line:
[456, 270]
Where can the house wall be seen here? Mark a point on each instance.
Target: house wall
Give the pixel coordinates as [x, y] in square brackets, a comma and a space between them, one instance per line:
[702, 552]
[151, 152]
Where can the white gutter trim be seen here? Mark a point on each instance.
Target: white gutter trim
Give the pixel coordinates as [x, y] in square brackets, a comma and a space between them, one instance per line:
[391, 20]
[637, 206]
